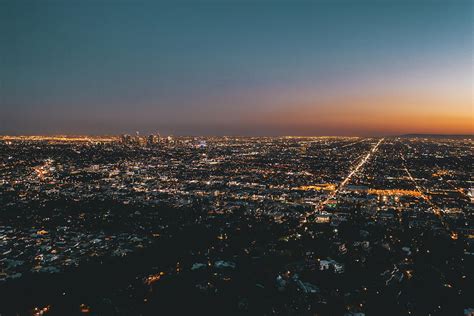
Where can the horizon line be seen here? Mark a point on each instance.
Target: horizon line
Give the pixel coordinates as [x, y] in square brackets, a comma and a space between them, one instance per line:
[68, 135]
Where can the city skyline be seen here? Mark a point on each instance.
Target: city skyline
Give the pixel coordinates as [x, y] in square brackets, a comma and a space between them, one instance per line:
[236, 68]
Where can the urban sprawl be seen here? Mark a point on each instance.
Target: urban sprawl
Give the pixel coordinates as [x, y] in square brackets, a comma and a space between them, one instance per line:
[150, 225]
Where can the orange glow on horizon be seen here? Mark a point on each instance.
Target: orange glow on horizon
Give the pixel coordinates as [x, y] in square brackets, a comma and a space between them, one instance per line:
[384, 115]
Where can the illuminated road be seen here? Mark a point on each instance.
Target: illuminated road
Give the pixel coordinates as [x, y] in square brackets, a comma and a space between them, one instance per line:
[354, 143]
[344, 182]
[357, 168]
[436, 210]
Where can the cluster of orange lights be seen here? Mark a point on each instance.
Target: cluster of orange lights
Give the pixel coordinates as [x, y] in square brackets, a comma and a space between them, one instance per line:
[153, 278]
[321, 220]
[440, 173]
[318, 187]
[60, 138]
[395, 192]
[41, 172]
[84, 308]
[37, 311]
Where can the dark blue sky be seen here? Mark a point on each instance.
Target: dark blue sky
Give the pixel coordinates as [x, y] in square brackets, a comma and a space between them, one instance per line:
[236, 67]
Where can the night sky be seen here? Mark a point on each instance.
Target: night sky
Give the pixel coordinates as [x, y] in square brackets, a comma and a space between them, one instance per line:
[236, 67]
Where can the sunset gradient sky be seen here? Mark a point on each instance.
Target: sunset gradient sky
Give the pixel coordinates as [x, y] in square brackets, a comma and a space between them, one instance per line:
[236, 67]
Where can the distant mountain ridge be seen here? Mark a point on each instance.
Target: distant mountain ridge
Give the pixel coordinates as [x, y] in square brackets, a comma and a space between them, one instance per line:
[445, 136]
